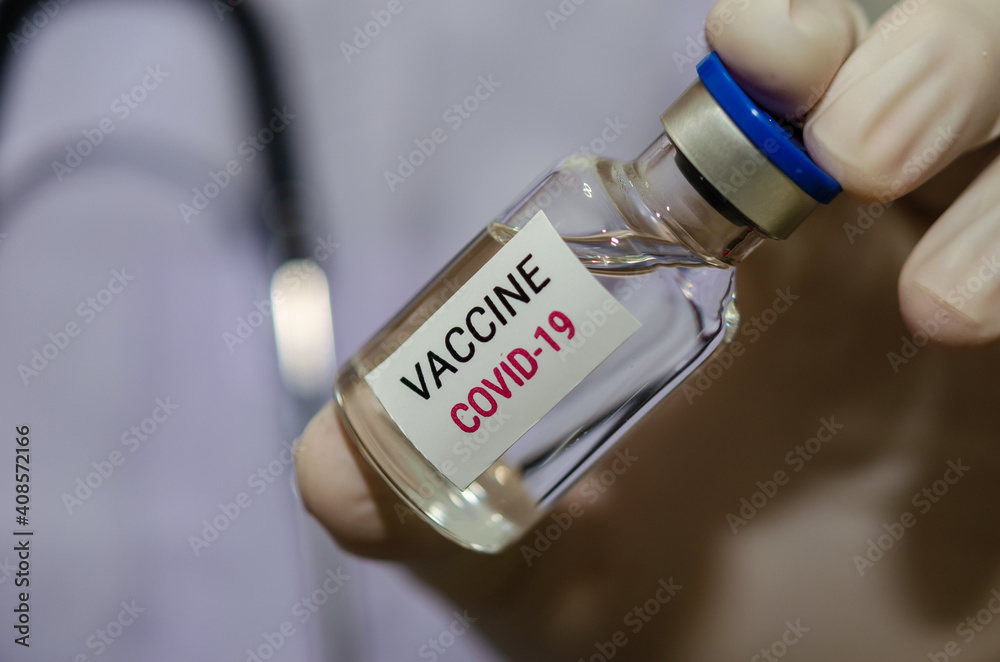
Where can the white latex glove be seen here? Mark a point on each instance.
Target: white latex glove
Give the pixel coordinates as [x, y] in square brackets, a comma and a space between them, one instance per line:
[920, 89]
[879, 98]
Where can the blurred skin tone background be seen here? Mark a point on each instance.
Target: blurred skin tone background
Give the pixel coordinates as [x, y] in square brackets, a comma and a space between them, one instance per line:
[878, 542]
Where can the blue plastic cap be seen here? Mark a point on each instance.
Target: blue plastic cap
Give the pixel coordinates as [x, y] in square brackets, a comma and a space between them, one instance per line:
[772, 139]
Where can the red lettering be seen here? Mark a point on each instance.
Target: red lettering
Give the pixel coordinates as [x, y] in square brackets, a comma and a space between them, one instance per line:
[532, 368]
[487, 411]
[482, 401]
[500, 388]
[458, 421]
[511, 373]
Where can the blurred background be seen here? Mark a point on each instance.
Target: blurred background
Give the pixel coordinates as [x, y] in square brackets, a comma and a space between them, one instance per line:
[144, 230]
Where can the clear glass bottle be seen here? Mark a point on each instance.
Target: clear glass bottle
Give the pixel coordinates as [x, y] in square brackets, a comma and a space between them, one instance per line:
[659, 235]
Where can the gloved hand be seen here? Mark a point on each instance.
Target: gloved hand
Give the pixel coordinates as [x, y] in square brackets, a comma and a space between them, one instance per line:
[889, 107]
[921, 88]
[885, 113]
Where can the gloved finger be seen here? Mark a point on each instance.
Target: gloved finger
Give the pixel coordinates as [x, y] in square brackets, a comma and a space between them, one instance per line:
[350, 500]
[949, 288]
[785, 53]
[919, 91]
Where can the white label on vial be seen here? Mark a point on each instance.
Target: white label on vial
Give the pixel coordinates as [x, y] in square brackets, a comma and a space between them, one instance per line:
[500, 353]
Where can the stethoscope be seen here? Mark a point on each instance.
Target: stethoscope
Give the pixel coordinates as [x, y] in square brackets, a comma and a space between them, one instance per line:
[300, 303]
[299, 290]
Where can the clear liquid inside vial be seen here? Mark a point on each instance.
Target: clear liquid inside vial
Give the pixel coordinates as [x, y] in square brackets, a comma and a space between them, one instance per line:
[684, 300]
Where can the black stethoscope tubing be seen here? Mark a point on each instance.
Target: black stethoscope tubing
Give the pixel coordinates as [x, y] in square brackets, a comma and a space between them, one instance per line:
[285, 211]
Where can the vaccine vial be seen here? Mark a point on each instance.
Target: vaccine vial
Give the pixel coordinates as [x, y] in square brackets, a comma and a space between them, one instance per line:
[570, 316]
